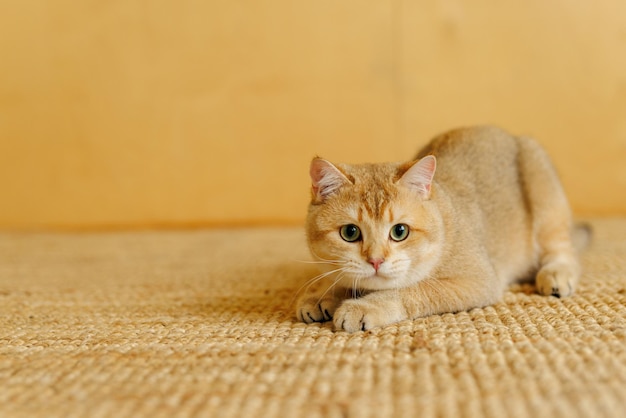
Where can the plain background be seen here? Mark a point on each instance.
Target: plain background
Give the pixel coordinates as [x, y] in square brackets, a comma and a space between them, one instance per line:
[160, 113]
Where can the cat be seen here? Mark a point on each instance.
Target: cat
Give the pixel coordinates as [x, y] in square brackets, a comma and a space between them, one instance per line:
[448, 232]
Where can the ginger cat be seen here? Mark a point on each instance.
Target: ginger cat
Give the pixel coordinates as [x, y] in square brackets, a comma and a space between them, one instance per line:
[446, 233]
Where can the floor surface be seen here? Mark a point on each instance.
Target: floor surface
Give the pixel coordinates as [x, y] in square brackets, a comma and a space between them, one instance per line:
[200, 323]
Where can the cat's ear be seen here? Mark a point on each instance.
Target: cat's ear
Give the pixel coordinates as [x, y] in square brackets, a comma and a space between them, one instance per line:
[419, 176]
[326, 179]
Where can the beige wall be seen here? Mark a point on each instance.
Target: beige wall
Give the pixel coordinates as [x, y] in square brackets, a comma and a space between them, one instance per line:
[153, 112]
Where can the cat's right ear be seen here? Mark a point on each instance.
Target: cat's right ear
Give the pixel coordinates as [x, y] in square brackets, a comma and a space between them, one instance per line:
[326, 179]
[419, 176]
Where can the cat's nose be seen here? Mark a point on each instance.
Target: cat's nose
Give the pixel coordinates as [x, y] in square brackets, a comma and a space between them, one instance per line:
[376, 262]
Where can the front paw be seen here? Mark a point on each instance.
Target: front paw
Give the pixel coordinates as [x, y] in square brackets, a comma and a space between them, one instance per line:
[314, 309]
[362, 315]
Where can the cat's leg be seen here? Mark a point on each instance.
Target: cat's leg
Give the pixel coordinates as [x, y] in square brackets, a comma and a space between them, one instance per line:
[559, 269]
[428, 297]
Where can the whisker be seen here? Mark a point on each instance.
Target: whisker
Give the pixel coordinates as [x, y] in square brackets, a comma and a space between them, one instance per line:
[320, 257]
[314, 280]
[335, 263]
[335, 282]
[319, 277]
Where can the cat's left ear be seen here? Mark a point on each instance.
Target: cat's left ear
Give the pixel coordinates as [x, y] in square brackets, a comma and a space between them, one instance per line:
[419, 176]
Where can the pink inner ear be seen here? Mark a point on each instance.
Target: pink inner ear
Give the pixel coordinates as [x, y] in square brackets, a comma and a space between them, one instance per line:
[420, 175]
[325, 177]
[315, 171]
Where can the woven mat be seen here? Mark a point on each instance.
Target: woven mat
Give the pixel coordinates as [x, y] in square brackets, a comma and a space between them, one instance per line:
[198, 323]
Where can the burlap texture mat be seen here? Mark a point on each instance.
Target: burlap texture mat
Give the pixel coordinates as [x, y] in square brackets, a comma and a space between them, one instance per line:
[199, 323]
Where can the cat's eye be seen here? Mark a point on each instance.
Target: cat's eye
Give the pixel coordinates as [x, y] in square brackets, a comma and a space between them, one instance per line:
[350, 233]
[399, 232]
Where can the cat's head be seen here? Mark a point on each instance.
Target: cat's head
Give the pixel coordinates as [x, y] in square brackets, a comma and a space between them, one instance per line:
[376, 223]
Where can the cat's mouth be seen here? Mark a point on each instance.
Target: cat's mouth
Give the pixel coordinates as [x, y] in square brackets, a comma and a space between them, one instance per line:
[379, 276]
[374, 281]
[368, 278]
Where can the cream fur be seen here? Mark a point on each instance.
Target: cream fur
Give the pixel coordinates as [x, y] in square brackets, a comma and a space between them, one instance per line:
[494, 212]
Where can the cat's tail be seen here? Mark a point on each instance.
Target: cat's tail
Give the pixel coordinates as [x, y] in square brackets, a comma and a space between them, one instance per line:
[582, 234]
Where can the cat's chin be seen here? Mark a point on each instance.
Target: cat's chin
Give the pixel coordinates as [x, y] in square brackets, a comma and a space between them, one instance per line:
[377, 282]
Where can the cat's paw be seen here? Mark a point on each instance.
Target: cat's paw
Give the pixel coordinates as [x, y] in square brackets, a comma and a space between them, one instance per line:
[314, 309]
[362, 315]
[557, 279]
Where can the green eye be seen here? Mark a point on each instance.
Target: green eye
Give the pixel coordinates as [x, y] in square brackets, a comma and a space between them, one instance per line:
[350, 233]
[399, 232]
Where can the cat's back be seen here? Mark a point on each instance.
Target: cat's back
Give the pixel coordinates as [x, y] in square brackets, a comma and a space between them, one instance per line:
[471, 146]
[480, 159]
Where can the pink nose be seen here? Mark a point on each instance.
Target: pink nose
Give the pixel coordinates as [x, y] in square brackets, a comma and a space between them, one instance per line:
[376, 262]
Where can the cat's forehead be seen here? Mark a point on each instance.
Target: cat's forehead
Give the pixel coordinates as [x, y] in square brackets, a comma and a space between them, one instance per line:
[365, 173]
[373, 190]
